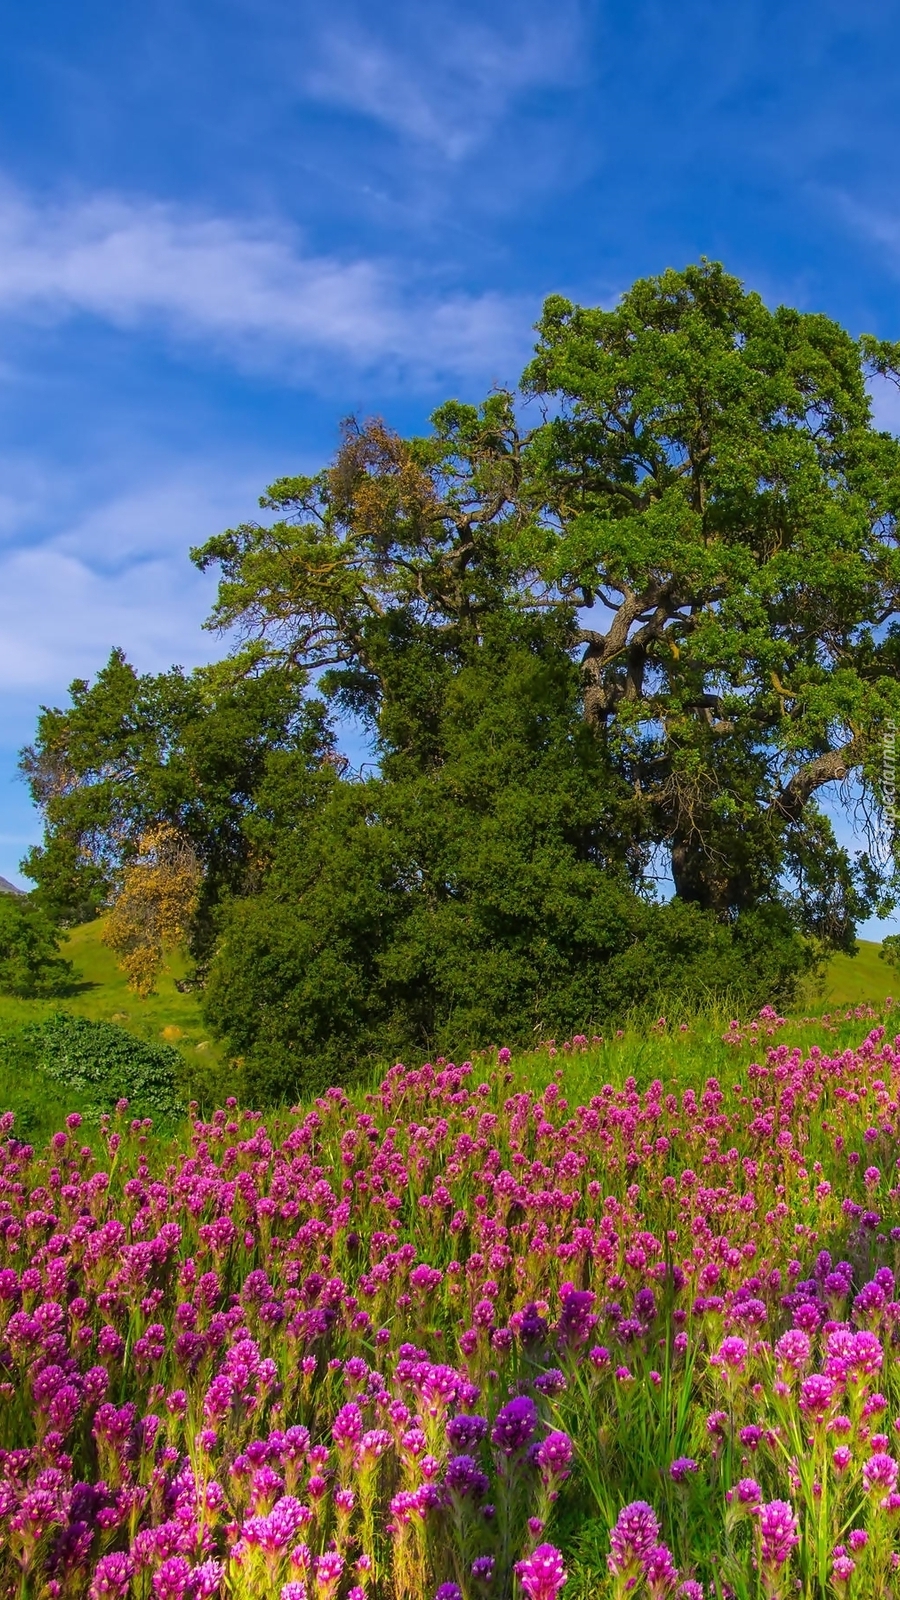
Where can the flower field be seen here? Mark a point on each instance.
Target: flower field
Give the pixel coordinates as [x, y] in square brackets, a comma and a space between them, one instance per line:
[463, 1337]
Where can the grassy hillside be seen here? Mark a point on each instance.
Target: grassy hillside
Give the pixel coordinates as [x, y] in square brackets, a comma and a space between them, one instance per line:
[851, 980]
[102, 994]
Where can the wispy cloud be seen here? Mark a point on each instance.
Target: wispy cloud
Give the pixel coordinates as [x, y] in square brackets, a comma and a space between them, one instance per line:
[248, 288]
[446, 83]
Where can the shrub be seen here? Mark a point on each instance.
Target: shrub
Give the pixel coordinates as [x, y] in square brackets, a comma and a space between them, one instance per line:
[100, 1062]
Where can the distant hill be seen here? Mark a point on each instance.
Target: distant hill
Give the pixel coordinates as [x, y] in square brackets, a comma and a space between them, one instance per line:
[9, 888]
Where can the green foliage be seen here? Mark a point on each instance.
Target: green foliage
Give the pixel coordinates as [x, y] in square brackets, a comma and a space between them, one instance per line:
[30, 963]
[638, 642]
[476, 898]
[720, 497]
[97, 1062]
[890, 950]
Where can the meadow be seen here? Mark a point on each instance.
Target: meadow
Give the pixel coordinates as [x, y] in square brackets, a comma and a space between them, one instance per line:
[612, 1317]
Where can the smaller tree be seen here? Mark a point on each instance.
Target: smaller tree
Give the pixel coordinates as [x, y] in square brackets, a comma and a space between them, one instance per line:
[152, 911]
[30, 963]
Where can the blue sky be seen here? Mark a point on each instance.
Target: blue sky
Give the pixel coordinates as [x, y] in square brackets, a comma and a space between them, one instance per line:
[223, 226]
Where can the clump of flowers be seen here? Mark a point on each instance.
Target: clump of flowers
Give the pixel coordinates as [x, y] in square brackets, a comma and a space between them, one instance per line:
[398, 1345]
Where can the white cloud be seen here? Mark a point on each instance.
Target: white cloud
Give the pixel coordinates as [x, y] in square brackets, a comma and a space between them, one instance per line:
[247, 287]
[94, 574]
[59, 618]
[449, 82]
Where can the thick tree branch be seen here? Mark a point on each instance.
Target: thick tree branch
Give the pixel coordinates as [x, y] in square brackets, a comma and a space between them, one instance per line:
[831, 767]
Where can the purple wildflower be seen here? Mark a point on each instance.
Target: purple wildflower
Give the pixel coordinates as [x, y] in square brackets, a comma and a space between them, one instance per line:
[465, 1432]
[731, 1354]
[554, 1457]
[329, 1568]
[465, 1478]
[660, 1572]
[794, 1348]
[514, 1425]
[631, 1540]
[171, 1580]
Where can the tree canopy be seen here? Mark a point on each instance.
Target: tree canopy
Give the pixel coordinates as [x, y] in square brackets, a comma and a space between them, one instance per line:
[634, 620]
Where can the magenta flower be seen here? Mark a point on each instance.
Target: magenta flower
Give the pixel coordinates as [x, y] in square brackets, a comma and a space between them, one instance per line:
[542, 1574]
[842, 1567]
[329, 1568]
[347, 1428]
[170, 1582]
[681, 1467]
[793, 1349]
[112, 1576]
[660, 1572]
[554, 1457]
[867, 1356]
[206, 1580]
[816, 1393]
[778, 1532]
[732, 1354]
[631, 1540]
[278, 1528]
[880, 1473]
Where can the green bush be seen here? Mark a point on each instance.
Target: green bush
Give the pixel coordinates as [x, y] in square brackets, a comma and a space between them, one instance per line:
[477, 899]
[97, 1062]
[30, 963]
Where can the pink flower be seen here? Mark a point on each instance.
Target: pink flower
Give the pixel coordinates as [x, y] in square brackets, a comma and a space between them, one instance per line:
[171, 1580]
[732, 1354]
[554, 1457]
[816, 1393]
[112, 1575]
[793, 1348]
[329, 1568]
[778, 1532]
[880, 1473]
[542, 1574]
[660, 1572]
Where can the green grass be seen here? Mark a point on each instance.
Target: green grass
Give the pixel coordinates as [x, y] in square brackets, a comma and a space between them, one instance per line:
[101, 993]
[852, 980]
